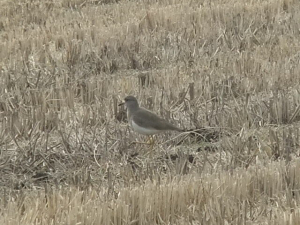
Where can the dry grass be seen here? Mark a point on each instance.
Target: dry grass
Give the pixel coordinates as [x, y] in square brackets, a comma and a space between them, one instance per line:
[229, 69]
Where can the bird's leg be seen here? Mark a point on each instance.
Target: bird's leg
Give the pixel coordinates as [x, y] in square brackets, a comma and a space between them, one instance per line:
[150, 142]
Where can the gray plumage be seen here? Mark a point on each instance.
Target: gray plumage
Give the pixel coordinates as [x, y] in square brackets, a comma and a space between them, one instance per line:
[143, 121]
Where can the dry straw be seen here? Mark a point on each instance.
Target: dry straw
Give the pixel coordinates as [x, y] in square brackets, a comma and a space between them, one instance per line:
[227, 70]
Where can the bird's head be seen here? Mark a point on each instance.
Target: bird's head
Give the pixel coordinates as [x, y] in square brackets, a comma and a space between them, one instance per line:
[130, 102]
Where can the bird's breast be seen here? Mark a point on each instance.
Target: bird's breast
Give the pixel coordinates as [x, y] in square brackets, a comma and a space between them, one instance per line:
[143, 130]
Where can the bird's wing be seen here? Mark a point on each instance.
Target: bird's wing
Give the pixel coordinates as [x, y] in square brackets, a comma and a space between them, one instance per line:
[147, 119]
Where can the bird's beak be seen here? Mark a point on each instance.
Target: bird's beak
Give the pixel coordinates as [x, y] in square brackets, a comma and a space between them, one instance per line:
[122, 103]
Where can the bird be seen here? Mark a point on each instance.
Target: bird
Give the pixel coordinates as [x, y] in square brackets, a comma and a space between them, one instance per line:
[144, 121]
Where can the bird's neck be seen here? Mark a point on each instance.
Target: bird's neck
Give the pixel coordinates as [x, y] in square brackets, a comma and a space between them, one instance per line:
[132, 109]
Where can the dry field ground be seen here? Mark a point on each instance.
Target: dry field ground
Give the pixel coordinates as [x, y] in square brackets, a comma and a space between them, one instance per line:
[229, 70]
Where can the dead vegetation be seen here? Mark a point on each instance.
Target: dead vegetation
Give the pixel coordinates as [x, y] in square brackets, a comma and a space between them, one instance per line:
[226, 70]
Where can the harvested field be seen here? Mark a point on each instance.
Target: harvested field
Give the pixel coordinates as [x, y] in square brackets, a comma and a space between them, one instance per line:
[228, 72]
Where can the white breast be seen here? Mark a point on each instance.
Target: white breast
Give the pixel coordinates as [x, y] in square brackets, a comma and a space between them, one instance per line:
[142, 130]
